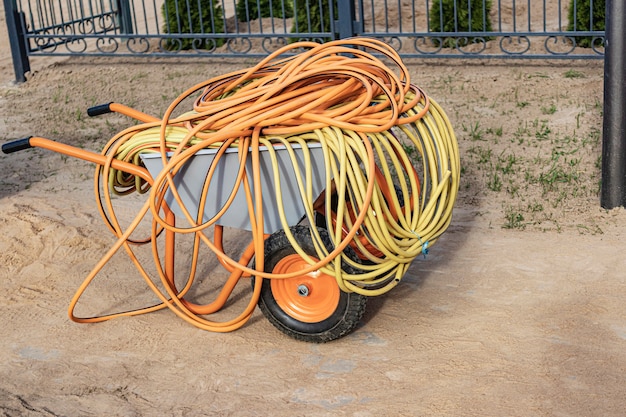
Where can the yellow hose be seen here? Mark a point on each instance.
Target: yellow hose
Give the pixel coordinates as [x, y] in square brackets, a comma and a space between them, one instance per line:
[362, 113]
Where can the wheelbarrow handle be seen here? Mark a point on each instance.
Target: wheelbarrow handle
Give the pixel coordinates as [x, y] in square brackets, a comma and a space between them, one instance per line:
[16, 145]
[122, 109]
[39, 142]
[99, 109]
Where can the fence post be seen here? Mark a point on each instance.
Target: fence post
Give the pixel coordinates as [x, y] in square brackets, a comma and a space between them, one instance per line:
[16, 28]
[613, 193]
[125, 18]
[346, 17]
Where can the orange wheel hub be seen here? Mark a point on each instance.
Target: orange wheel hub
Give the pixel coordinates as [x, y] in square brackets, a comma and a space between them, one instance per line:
[311, 297]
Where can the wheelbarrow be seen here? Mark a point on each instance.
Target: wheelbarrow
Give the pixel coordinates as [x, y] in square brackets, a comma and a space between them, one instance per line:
[336, 215]
[309, 306]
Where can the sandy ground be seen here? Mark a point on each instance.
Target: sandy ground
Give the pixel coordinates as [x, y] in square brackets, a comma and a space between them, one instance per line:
[527, 320]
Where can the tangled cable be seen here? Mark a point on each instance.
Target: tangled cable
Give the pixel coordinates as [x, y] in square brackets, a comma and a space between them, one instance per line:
[333, 113]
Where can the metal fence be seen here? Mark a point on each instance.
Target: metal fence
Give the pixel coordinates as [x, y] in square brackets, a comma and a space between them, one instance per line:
[220, 28]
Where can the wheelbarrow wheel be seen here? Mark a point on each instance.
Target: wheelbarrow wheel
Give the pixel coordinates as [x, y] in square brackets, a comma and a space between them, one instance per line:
[309, 307]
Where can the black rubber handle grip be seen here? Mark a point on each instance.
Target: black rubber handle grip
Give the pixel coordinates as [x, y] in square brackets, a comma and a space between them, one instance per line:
[16, 145]
[98, 110]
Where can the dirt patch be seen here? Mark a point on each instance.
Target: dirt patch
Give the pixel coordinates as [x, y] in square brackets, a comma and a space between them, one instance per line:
[518, 310]
[530, 135]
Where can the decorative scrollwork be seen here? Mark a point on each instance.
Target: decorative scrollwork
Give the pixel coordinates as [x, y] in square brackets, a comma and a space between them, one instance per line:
[204, 45]
[316, 39]
[514, 45]
[270, 45]
[86, 27]
[598, 44]
[64, 29]
[43, 41]
[566, 45]
[393, 41]
[170, 44]
[76, 45]
[107, 22]
[107, 45]
[97, 29]
[138, 44]
[428, 45]
[474, 45]
[239, 45]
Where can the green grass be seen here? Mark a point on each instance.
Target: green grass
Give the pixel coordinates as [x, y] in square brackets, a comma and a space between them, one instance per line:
[474, 131]
[548, 110]
[537, 164]
[571, 73]
[513, 219]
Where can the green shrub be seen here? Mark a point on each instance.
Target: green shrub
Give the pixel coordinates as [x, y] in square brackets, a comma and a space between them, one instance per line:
[249, 9]
[310, 17]
[193, 17]
[582, 20]
[454, 16]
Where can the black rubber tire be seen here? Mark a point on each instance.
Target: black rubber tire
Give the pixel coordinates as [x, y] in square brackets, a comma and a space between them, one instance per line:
[350, 307]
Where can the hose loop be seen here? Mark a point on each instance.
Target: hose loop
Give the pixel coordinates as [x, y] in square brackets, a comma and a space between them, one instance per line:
[389, 165]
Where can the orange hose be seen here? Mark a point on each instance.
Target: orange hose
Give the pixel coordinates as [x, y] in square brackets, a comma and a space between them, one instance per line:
[339, 84]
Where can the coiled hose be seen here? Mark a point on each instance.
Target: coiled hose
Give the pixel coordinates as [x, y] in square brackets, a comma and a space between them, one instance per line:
[380, 202]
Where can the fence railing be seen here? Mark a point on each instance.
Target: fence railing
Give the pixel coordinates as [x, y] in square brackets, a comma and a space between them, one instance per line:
[416, 28]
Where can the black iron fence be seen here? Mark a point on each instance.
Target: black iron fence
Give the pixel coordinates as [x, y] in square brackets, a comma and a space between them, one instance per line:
[416, 28]
[562, 29]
